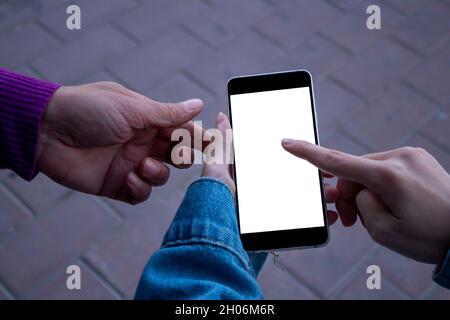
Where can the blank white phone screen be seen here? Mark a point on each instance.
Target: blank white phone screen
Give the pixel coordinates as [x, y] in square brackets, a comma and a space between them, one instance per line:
[276, 191]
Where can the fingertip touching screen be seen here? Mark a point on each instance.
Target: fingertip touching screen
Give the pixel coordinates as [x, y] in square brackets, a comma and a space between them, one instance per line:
[276, 191]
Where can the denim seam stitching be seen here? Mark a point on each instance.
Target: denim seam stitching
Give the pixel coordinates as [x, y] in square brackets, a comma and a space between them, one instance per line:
[214, 181]
[200, 240]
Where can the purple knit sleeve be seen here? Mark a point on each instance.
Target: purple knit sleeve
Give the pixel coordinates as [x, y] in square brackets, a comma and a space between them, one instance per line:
[22, 103]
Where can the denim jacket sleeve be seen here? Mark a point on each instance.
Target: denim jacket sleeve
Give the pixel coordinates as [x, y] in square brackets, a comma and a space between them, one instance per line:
[201, 256]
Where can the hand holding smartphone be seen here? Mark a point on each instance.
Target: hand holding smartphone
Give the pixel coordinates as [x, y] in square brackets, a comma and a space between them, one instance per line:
[279, 199]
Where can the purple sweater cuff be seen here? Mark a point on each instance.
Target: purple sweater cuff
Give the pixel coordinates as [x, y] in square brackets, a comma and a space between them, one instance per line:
[22, 103]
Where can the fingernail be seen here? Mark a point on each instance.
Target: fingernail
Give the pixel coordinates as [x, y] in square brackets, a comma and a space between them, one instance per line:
[220, 118]
[149, 166]
[287, 142]
[193, 105]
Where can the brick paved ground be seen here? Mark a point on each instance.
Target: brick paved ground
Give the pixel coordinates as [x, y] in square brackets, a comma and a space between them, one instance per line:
[374, 89]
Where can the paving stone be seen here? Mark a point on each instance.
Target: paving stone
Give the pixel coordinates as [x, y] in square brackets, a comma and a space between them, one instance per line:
[438, 128]
[377, 68]
[438, 293]
[391, 120]
[286, 28]
[339, 141]
[179, 88]
[121, 258]
[351, 32]
[321, 268]
[413, 277]
[312, 55]
[4, 294]
[159, 60]
[25, 42]
[6, 173]
[93, 14]
[39, 195]
[407, 6]
[333, 104]
[14, 13]
[432, 76]
[92, 287]
[12, 213]
[225, 20]
[251, 54]
[419, 33]
[154, 18]
[278, 285]
[46, 246]
[357, 290]
[77, 58]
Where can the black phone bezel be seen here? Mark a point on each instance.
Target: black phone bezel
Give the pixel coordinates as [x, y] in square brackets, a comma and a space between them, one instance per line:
[282, 239]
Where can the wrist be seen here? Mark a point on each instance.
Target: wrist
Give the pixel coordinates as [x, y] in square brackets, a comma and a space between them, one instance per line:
[220, 176]
[48, 125]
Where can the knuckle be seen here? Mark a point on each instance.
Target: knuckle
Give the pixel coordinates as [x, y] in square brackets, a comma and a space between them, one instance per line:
[409, 153]
[421, 151]
[388, 173]
[112, 85]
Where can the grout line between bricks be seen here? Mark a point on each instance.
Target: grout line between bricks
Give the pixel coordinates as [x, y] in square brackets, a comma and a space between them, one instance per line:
[426, 294]
[199, 83]
[263, 36]
[437, 143]
[108, 208]
[347, 277]
[39, 74]
[207, 2]
[335, 43]
[298, 280]
[353, 139]
[417, 129]
[405, 46]
[126, 33]
[114, 291]
[7, 292]
[334, 5]
[196, 36]
[424, 95]
[50, 32]
[394, 287]
[348, 88]
[268, 38]
[20, 203]
[102, 277]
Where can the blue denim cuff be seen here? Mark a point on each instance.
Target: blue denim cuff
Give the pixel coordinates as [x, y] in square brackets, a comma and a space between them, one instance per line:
[442, 277]
[207, 215]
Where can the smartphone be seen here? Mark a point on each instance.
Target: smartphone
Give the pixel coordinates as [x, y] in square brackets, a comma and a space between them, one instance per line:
[279, 198]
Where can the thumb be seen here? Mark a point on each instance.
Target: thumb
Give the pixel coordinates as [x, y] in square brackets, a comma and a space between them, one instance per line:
[217, 153]
[218, 165]
[166, 115]
[375, 216]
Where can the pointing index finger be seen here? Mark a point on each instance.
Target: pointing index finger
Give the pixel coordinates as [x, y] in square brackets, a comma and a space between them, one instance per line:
[337, 163]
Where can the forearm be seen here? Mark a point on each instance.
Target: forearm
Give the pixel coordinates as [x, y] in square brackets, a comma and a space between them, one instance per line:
[201, 256]
[22, 103]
